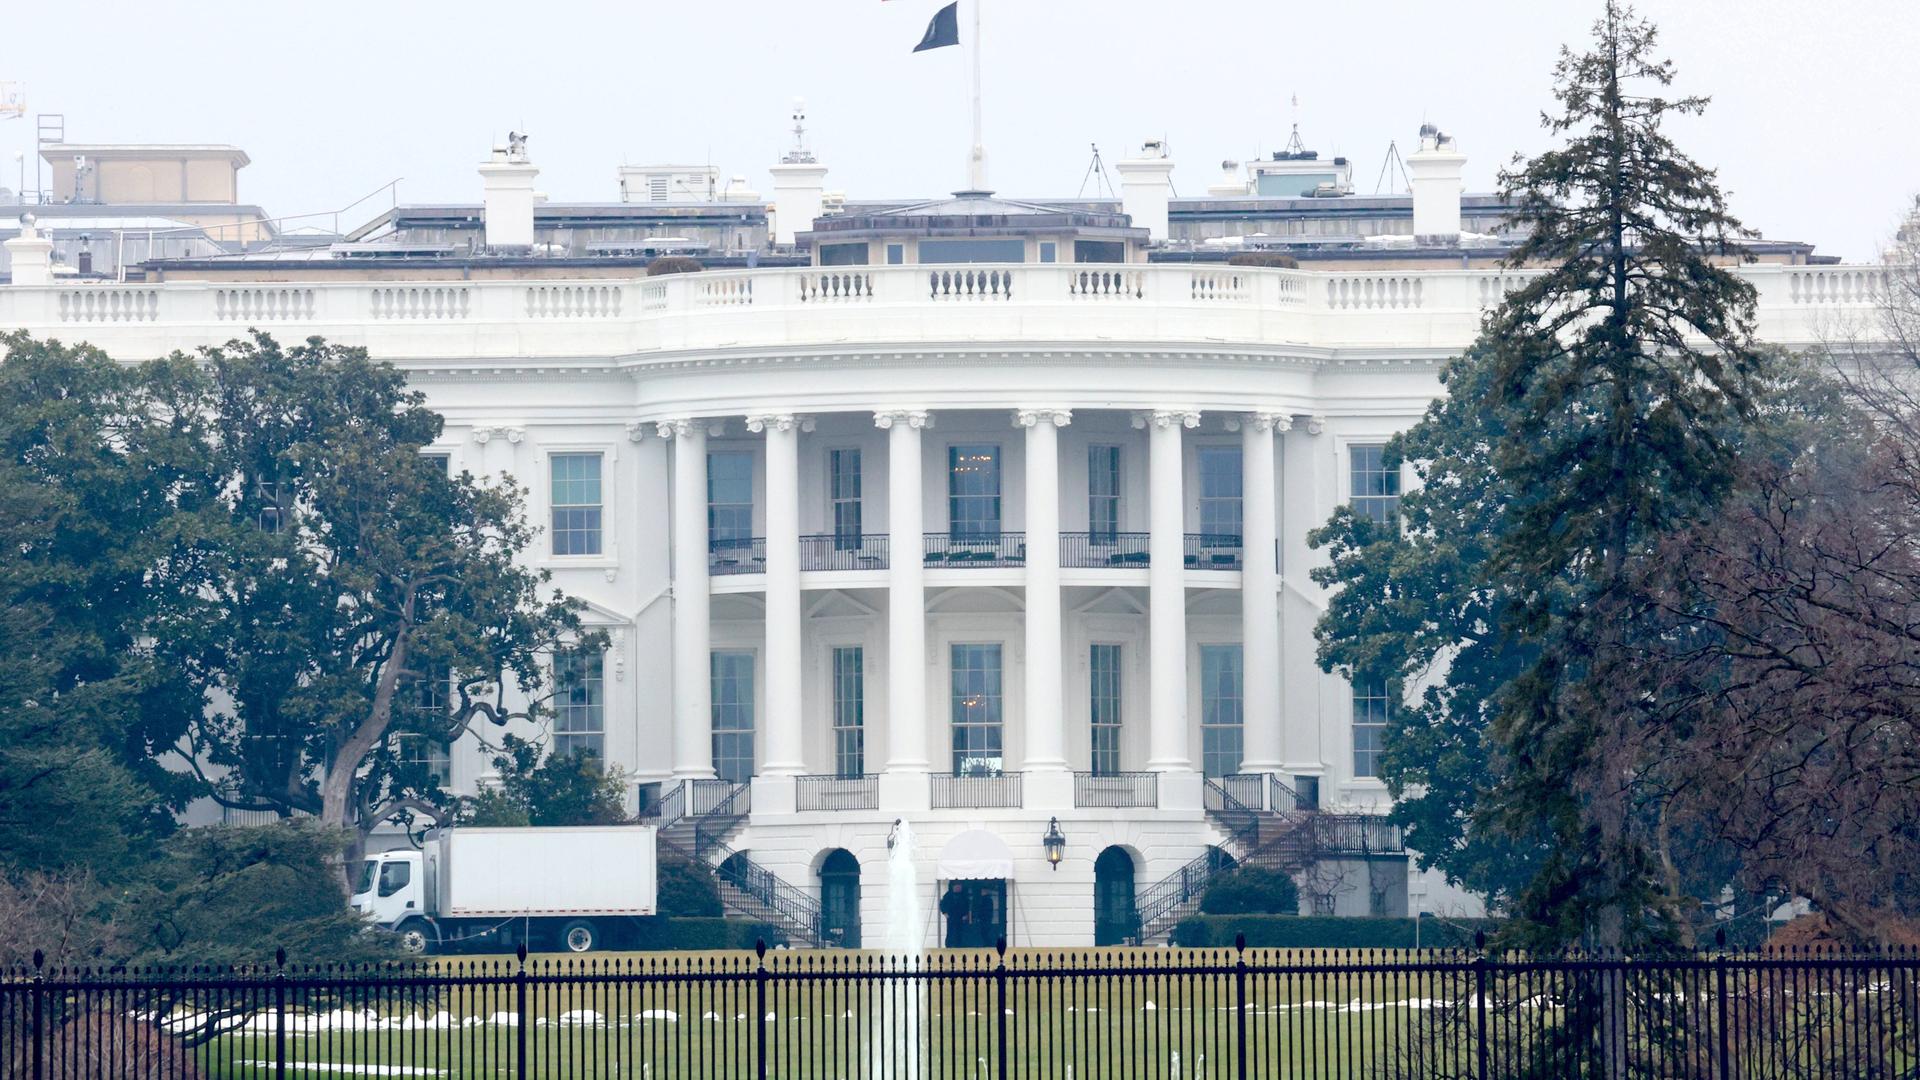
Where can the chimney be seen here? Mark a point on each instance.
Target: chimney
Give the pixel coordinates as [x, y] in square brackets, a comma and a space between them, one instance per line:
[31, 255]
[799, 184]
[1434, 171]
[507, 180]
[1231, 182]
[1146, 184]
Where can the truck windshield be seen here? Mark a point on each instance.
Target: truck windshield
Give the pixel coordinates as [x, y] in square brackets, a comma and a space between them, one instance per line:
[367, 868]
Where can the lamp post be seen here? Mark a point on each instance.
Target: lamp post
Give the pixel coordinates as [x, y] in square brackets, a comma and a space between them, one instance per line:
[1055, 842]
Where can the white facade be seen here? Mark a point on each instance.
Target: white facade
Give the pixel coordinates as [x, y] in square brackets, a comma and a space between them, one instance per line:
[1195, 380]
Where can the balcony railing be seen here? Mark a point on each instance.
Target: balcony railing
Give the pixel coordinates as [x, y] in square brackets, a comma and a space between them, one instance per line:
[744, 556]
[976, 550]
[1357, 834]
[1116, 790]
[1238, 791]
[957, 791]
[844, 551]
[838, 792]
[1212, 551]
[1117, 550]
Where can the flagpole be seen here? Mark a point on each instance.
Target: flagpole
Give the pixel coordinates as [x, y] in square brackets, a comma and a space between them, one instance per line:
[977, 161]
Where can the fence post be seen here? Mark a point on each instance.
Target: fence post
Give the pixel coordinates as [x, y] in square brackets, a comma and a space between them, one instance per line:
[1000, 1006]
[1240, 1005]
[760, 1010]
[1720, 980]
[1480, 1016]
[520, 1011]
[280, 1014]
[39, 1016]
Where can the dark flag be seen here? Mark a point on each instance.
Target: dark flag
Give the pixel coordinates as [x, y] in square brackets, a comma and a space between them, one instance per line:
[944, 30]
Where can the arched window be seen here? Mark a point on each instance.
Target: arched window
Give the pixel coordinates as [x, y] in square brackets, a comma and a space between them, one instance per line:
[840, 899]
[1116, 920]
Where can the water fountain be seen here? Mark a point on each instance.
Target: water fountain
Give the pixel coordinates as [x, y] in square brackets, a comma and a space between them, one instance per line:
[896, 1042]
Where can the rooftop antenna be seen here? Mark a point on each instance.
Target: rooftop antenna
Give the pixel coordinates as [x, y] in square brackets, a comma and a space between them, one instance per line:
[799, 155]
[977, 160]
[1388, 168]
[1097, 175]
[1294, 145]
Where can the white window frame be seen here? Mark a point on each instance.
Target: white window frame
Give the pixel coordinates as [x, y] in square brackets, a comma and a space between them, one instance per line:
[609, 502]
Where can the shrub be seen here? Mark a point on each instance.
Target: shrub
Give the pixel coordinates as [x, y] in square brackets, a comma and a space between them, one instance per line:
[101, 1044]
[694, 935]
[687, 891]
[1263, 258]
[674, 264]
[1251, 890]
[1328, 932]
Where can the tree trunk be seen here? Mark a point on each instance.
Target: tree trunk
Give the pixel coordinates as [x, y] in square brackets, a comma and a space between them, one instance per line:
[343, 771]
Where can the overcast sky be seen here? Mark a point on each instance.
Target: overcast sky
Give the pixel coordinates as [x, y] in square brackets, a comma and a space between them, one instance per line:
[1815, 123]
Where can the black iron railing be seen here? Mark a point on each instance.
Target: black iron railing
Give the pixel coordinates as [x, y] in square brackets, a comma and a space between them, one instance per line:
[1178, 894]
[1108, 550]
[1212, 551]
[844, 551]
[984, 1015]
[1118, 790]
[964, 791]
[762, 894]
[838, 792]
[975, 550]
[744, 556]
[1357, 834]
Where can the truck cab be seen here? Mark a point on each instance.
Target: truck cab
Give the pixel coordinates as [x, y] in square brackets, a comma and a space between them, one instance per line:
[391, 888]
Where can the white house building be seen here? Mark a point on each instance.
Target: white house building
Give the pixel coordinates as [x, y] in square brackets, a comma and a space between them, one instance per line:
[982, 515]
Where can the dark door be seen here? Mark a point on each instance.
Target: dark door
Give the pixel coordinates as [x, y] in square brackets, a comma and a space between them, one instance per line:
[1116, 919]
[982, 907]
[840, 900]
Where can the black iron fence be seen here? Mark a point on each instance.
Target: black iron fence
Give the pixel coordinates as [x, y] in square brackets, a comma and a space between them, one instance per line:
[747, 555]
[980, 1014]
[1117, 550]
[844, 551]
[837, 792]
[975, 550]
[970, 791]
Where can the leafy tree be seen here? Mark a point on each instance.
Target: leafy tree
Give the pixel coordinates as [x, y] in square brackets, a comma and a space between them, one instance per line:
[359, 595]
[1610, 394]
[559, 789]
[687, 890]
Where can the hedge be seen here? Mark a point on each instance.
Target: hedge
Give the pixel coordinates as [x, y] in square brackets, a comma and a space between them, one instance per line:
[1326, 932]
[661, 934]
[1263, 258]
[674, 264]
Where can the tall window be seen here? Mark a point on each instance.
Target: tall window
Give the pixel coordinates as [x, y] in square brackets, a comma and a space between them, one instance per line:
[973, 492]
[1220, 493]
[579, 705]
[1221, 734]
[729, 498]
[271, 495]
[422, 712]
[1104, 664]
[843, 477]
[576, 504]
[1103, 493]
[1376, 488]
[733, 716]
[849, 712]
[976, 710]
[1372, 708]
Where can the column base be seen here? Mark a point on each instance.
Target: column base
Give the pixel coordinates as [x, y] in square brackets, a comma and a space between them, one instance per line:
[904, 790]
[775, 794]
[1046, 789]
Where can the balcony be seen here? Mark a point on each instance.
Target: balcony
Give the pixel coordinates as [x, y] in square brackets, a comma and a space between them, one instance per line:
[1212, 551]
[1104, 550]
[976, 550]
[747, 555]
[840, 551]
[1358, 834]
[972, 791]
[1116, 790]
[838, 792]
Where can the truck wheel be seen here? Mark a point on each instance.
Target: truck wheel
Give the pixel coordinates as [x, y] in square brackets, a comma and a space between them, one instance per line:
[417, 936]
[579, 936]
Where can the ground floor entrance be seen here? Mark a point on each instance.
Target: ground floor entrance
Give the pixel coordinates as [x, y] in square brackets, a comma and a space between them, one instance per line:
[973, 913]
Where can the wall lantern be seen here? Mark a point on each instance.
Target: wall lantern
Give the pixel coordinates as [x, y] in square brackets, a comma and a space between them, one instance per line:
[1056, 844]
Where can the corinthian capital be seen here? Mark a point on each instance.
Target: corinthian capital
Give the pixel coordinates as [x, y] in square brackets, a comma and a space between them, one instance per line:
[1029, 417]
[913, 418]
[1166, 418]
[486, 433]
[1267, 421]
[679, 428]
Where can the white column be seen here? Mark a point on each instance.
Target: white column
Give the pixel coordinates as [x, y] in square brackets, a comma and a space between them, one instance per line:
[692, 632]
[1168, 749]
[903, 785]
[1045, 712]
[1259, 593]
[1301, 675]
[785, 753]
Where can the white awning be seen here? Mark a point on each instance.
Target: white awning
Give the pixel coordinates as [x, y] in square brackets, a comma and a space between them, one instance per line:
[974, 855]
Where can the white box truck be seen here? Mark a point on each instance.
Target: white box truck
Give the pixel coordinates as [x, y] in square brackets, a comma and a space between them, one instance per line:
[574, 888]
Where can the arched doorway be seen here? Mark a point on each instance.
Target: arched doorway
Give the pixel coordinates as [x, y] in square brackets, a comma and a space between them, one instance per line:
[840, 899]
[1116, 918]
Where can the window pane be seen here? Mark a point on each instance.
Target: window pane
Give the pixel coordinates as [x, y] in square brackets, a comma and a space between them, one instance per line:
[1104, 664]
[1220, 493]
[579, 704]
[1220, 709]
[973, 251]
[849, 709]
[843, 475]
[1375, 490]
[973, 492]
[733, 716]
[843, 255]
[576, 504]
[976, 710]
[1372, 709]
[1103, 492]
[729, 497]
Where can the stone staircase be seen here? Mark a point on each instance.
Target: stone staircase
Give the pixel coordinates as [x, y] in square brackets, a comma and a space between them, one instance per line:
[1259, 827]
[696, 819]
